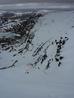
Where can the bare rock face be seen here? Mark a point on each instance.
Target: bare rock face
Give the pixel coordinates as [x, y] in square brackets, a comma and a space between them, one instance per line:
[18, 27]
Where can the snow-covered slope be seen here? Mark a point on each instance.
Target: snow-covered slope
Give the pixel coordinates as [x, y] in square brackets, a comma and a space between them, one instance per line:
[52, 31]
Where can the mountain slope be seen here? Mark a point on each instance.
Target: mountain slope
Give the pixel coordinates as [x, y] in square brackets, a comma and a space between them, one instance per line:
[49, 61]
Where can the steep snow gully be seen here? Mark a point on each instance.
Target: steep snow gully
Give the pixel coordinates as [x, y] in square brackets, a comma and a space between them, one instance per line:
[36, 55]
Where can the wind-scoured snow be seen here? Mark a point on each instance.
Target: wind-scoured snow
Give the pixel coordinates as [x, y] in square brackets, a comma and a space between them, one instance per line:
[46, 69]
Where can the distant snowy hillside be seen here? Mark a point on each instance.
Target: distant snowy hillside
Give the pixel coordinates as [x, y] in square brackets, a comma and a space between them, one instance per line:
[33, 5]
[36, 54]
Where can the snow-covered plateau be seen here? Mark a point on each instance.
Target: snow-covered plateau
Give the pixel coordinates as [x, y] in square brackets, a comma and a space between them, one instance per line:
[37, 54]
